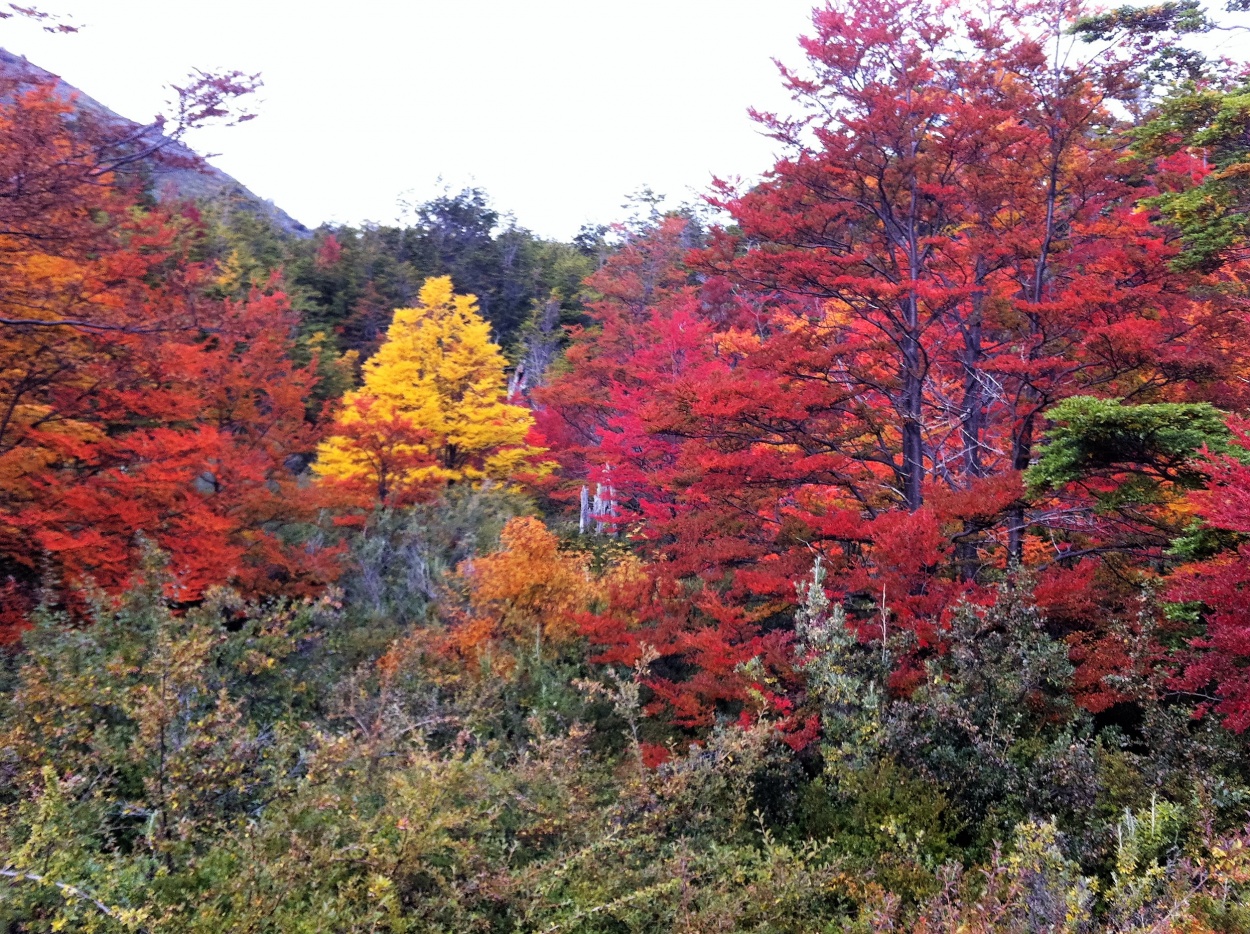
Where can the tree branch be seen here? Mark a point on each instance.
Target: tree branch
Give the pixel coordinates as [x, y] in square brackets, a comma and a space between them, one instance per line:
[74, 891]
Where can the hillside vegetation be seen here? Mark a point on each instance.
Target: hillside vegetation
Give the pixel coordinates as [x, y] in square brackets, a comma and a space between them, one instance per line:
[864, 551]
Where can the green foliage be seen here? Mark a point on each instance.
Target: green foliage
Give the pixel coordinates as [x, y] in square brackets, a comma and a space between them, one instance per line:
[1158, 31]
[1201, 541]
[346, 281]
[994, 726]
[130, 745]
[369, 827]
[375, 269]
[1172, 16]
[988, 736]
[848, 681]
[278, 769]
[1213, 215]
[1157, 441]
[250, 248]
[400, 560]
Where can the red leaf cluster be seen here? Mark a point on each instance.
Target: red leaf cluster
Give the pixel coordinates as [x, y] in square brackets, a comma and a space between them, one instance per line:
[859, 368]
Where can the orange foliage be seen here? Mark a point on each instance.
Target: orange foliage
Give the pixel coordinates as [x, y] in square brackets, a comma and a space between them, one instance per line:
[528, 592]
[133, 402]
[388, 452]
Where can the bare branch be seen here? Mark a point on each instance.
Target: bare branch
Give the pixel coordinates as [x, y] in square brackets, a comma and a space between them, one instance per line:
[51, 22]
[74, 891]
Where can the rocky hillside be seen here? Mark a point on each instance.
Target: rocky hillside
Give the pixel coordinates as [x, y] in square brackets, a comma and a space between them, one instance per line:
[180, 174]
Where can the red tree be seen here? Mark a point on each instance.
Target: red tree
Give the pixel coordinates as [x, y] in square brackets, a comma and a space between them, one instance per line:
[194, 444]
[859, 370]
[1219, 665]
[131, 400]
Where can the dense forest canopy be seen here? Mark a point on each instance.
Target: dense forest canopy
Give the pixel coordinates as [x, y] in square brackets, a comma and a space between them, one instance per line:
[864, 550]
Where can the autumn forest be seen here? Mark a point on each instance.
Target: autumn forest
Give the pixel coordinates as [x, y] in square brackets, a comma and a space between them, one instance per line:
[864, 547]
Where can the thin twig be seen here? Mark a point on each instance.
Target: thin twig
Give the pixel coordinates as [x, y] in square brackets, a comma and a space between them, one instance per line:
[18, 875]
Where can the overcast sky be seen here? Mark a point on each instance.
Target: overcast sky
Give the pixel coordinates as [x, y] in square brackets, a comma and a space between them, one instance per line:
[558, 108]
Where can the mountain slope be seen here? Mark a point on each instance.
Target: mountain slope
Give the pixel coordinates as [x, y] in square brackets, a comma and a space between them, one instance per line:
[173, 177]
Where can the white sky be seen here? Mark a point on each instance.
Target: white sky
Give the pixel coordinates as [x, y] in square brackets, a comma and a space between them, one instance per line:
[558, 108]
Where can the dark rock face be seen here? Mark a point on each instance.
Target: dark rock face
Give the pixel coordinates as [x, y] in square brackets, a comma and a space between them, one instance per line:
[176, 172]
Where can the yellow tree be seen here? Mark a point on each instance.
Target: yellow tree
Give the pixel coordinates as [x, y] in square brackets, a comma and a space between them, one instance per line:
[439, 375]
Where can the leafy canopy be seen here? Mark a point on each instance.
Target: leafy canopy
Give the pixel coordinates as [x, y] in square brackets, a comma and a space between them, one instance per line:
[1093, 435]
[438, 380]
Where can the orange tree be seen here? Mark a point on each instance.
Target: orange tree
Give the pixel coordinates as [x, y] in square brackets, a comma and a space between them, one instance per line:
[132, 401]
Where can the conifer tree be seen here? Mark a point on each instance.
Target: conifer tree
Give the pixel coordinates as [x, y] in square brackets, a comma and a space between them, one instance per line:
[440, 376]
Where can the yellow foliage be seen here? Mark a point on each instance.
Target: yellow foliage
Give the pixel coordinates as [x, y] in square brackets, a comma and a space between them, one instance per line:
[20, 463]
[737, 341]
[439, 372]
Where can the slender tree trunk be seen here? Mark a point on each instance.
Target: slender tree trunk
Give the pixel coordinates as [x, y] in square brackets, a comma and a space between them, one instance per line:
[1022, 443]
[972, 424]
[913, 426]
[913, 363]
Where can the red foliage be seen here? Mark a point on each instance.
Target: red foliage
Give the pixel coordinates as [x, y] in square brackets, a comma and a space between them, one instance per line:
[655, 755]
[193, 434]
[15, 605]
[1220, 661]
[329, 253]
[132, 401]
[951, 246]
